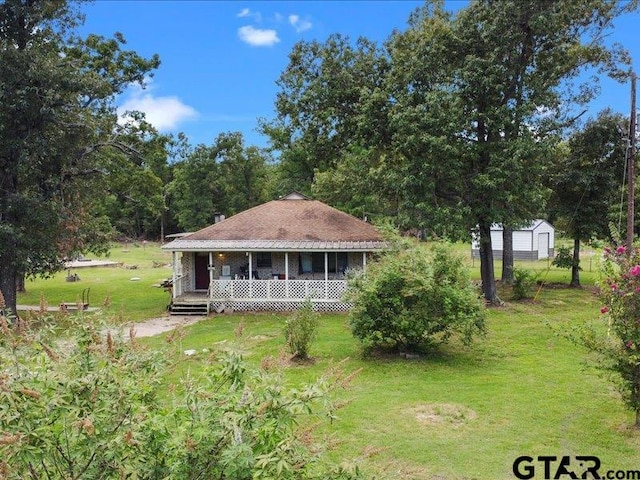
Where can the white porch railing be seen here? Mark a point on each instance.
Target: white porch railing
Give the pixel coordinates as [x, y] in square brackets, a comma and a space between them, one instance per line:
[276, 290]
[178, 285]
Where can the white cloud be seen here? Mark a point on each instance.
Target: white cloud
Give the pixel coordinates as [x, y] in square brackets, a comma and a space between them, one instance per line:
[164, 113]
[298, 24]
[258, 37]
[246, 12]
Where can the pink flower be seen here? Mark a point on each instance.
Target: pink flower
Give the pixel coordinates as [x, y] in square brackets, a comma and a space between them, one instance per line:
[630, 344]
[621, 249]
[635, 271]
[614, 287]
[607, 250]
[604, 310]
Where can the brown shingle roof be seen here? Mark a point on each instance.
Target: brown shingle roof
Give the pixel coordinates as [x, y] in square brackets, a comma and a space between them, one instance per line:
[290, 220]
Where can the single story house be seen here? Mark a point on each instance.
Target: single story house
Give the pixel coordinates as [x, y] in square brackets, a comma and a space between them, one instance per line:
[271, 257]
[533, 242]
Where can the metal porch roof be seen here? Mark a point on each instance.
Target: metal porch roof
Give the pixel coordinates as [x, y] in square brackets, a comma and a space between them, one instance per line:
[272, 245]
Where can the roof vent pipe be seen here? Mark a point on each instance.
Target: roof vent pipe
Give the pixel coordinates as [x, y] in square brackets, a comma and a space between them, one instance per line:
[218, 217]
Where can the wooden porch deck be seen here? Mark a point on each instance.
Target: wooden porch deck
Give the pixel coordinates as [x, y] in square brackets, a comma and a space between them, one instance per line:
[191, 297]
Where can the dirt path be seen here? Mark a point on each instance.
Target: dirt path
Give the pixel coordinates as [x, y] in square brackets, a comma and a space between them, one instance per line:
[146, 328]
[155, 326]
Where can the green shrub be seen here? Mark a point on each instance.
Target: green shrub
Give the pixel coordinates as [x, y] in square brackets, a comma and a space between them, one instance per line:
[88, 408]
[409, 302]
[301, 329]
[523, 281]
[564, 258]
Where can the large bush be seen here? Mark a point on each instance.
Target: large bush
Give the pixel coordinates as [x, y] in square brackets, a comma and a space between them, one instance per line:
[410, 300]
[88, 407]
[301, 329]
[617, 347]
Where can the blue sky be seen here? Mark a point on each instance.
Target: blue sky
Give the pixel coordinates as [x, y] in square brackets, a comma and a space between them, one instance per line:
[221, 59]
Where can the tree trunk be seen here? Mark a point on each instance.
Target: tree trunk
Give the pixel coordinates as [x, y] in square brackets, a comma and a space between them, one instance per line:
[487, 273]
[575, 267]
[162, 225]
[507, 255]
[8, 252]
[8, 284]
[20, 283]
[9, 248]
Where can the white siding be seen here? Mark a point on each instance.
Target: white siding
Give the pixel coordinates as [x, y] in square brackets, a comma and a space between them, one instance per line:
[522, 241]
[525, 241]
[542, 230]
[544, 227]
[496, 239]
[543, 244]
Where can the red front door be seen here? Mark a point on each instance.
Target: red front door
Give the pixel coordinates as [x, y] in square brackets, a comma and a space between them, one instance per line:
[202, 271]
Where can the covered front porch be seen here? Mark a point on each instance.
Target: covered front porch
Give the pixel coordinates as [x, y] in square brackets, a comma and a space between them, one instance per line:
[250, 281]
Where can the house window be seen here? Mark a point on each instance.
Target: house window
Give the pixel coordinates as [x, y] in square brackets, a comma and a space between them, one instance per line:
[317, 259]
[263, 259]
[342, 261]
[306, 263]
[337, 262]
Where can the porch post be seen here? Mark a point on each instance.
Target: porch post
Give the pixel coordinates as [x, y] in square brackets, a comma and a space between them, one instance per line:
[250, 275]
[210, 268]
[286, 274]
[326, 275]
[174, 287]
[364, 261]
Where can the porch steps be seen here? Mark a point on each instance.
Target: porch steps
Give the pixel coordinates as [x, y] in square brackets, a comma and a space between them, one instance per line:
[190, 308]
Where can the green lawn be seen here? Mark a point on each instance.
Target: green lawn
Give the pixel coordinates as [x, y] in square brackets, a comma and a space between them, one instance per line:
[123, 293]
[464, 413]
[123, 299]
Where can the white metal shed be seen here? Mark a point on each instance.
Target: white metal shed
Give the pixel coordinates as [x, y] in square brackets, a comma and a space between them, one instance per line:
[533, 242]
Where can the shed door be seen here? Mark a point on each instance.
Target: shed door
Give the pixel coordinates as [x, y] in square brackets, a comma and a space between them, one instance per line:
[543, 245]
[201, 271]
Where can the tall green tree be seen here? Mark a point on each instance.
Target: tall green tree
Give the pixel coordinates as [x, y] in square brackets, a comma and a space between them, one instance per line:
[177, 148]
[364, 183]
[56, 114]
[586, 181]
[333, 134]
[136, 185]
[465, 109]
[481, 95]
[226, 177]
[194, 189]
[331, 96]
[244, 175]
